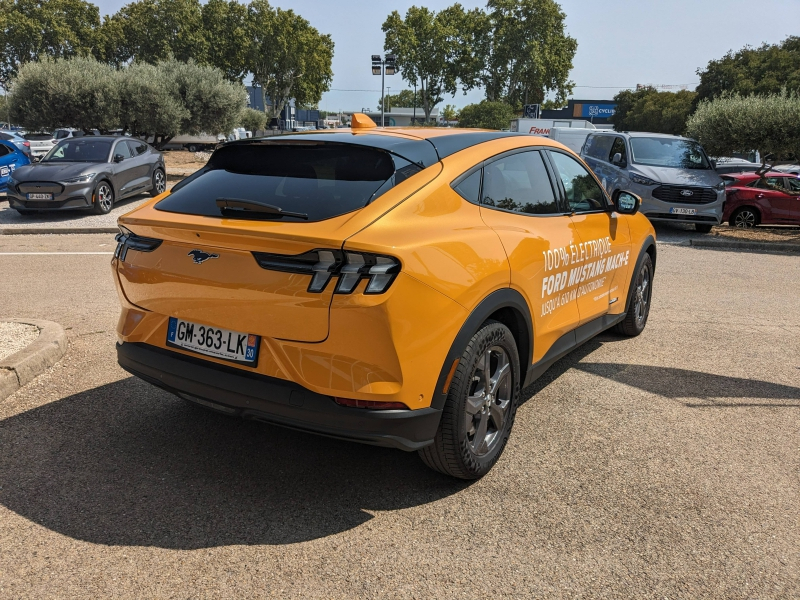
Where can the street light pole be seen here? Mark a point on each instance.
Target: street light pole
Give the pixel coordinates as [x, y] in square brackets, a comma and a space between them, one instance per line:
[383, 67]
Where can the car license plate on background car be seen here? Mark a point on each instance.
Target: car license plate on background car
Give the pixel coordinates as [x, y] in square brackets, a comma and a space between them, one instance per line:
[219, 343]
[683, 211]
[39, 196]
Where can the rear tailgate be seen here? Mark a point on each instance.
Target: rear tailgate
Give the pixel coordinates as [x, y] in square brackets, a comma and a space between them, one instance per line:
[204, 268]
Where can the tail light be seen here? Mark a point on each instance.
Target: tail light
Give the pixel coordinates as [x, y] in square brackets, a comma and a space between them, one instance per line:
[127, 240]
[371, 404]
[323, 265]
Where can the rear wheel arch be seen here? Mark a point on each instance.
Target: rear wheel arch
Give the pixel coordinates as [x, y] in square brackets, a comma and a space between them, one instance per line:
[506, 306]
[648, 249]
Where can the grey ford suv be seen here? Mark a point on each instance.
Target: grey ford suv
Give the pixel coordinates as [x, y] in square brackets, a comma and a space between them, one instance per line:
[672, 174]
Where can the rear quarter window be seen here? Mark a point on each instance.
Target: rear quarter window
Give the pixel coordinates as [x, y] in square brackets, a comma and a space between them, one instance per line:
[320, 180]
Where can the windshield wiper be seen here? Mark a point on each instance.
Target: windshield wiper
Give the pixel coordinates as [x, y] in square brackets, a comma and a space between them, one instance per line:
[236, 207]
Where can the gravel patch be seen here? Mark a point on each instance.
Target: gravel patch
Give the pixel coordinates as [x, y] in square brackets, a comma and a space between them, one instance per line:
[16, 336]
[11, 219]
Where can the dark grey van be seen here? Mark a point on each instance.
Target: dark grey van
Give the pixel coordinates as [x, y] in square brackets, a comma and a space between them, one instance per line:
[673, 175]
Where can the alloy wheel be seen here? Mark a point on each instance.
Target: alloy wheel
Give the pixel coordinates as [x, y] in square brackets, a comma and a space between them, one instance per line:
[488, 401]
[160, 182]
[105, 197]
[642, 296]
[745, 219]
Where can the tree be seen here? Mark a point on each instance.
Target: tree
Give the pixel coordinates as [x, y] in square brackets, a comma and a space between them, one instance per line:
[449, 113]
[768, 69]
[77, 92]
[154, 30]
[225, 27]
[287, 57]
[33, 29]
[647, 109]
[404, 99]
[149, 105]
[520, 52]
[735, 123]
[253, 120]
[428, 50]
[486, 115]
[213, 104]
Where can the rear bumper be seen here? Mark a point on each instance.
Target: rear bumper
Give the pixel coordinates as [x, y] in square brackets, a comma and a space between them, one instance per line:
[276, 401]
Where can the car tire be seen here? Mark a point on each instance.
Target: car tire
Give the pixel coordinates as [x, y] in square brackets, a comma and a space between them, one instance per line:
[159, 183]
[744, 217]
[475, 426]
[103, 197]
[639, 298]
[191, 148]
[702, 228]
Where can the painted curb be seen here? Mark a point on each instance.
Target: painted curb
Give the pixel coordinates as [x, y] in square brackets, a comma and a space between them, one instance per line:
[749, 246]
[55, 230]
[30, 362]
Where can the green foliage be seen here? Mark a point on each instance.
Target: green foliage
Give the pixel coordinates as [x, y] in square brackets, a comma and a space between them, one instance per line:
[212, 103]
[647, 109]
[521, 52]
[735, 123]
[486, 115]
[154, 30]
[150, 100]
[33, 29]
[287, 56]
[402, 99]
[226, 30]
[427, 48]
[77, 92]
[450, 113]
[768, 69]
[553, 104]
[253, 120]
[148, 104]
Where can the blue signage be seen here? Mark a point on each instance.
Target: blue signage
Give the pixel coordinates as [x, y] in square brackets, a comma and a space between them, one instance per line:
[597, 111]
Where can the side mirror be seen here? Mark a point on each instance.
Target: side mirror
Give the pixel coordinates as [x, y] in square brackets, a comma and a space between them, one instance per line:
[118, 158]
[714, 163]
[626, 203]
[617, 160]
[36, 159]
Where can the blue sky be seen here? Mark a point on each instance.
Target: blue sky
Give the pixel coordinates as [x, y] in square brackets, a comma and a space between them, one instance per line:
[620, 42]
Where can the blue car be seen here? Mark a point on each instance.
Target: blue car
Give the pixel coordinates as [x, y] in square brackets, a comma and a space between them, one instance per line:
[11, 158]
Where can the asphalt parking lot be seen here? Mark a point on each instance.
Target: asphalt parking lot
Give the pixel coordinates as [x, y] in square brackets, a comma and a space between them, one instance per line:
[665, 466]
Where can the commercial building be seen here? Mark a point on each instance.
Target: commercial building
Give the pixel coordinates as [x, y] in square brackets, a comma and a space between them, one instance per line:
[291, 116]
[403, 117]
[596, 112]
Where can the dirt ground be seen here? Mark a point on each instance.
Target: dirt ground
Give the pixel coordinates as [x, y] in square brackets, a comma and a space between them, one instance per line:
[183, 159]
[784, 235]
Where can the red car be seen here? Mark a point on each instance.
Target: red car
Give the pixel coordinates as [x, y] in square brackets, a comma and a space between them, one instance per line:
[751, 200]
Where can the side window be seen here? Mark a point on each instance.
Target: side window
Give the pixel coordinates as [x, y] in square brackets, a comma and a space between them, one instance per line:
[792, 184]
[618, 147]
[4, 150]
[599, 146]
[768, 183]
[519, 183]
[122, 148]
[583, 192]
[470, 187]
[137, 148]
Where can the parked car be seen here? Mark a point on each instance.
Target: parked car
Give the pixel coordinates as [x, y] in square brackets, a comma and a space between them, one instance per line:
[88, 172]
[791, 169]
[394, 287]
[16, 139]
[68, 132]
[41, 143]
[11, 158]
[724, 165]
[672, 174]
[771, 200]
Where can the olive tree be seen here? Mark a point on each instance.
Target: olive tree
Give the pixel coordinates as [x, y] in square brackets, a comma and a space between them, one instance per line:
[76, 92]
[486, 115]
[253, 120]
[734, 123]
[148, 105]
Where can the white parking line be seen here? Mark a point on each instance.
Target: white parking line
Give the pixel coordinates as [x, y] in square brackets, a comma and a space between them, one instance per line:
[47, 253]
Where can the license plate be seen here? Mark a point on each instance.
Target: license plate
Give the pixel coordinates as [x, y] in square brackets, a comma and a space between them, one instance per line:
[683, 211]
[219, 343]
[39, 196]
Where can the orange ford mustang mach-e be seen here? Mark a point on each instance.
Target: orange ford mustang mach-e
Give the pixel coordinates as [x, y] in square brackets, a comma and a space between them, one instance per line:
[389, 286]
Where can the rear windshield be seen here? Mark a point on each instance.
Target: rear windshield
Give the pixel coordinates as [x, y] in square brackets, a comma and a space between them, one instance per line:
[318, 180]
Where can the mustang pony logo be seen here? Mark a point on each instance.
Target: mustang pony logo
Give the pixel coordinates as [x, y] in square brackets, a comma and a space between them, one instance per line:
[199, 257]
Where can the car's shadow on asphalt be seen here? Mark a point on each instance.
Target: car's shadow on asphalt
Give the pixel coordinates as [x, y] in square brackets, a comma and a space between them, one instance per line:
[127, 464]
